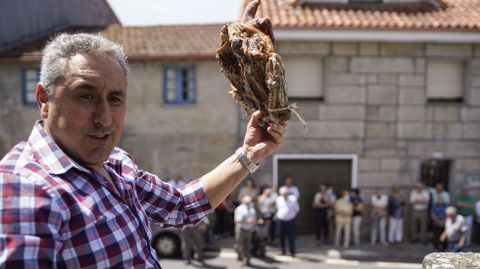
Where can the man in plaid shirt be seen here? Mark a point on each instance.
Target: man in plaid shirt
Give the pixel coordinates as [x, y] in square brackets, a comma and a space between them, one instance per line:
[69, 198]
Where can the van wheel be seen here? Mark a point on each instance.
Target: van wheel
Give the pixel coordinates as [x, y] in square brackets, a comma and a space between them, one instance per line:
[167, 245]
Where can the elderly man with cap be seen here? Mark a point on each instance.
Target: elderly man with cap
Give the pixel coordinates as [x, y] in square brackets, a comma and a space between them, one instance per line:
[455, 230]
[245, 219]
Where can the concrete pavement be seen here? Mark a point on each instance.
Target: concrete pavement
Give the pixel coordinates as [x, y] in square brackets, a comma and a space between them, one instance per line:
[309, 255]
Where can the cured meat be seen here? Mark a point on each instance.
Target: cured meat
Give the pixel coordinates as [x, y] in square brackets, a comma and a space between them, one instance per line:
[248, 58]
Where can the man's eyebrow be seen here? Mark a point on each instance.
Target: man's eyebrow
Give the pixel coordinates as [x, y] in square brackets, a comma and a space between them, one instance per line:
[85, 85]
[118, 93]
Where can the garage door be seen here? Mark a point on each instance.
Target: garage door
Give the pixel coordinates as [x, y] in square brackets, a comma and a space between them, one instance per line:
[308, 175]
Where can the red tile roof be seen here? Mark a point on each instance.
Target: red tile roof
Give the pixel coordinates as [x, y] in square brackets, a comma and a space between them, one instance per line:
[144, 43]
[200, 41]
[450, 15]
[166, 41]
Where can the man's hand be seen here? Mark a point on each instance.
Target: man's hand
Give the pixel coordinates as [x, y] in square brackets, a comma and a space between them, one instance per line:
[443, 236]
[260, 142]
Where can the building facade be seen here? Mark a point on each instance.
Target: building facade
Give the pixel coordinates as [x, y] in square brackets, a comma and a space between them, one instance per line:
[387, 89]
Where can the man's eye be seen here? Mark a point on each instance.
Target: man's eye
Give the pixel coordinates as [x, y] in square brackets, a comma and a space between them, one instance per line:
[116, 100]
[87, 97]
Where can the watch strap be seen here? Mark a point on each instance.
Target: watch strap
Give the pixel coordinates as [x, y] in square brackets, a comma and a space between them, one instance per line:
[245, 161]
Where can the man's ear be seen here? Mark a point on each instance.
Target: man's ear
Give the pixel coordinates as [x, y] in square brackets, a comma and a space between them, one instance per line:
[42, 100]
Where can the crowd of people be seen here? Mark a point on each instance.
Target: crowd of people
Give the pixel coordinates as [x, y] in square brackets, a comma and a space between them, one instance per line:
[264, 215]
[260, 217]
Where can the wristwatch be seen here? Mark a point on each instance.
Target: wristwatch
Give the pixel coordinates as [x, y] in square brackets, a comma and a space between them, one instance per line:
[245, 161]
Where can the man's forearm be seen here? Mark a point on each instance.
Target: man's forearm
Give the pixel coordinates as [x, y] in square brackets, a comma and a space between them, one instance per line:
[222, 180]
[258, 144]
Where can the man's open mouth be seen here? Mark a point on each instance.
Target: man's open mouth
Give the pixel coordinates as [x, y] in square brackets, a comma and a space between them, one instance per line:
[102, 137]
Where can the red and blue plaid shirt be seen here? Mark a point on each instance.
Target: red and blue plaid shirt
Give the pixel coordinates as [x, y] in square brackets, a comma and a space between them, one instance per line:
[55, 213]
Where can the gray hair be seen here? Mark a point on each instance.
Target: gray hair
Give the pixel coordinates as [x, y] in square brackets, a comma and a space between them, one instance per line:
[451, 210]
[58, 51]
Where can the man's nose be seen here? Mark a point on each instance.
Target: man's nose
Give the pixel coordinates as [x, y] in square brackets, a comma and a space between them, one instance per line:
[103, 115]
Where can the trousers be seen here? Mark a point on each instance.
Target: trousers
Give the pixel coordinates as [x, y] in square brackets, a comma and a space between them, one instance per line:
[287, 229]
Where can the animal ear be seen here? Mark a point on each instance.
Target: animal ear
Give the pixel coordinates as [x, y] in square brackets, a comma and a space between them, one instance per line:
[250, 10]
[42, 100]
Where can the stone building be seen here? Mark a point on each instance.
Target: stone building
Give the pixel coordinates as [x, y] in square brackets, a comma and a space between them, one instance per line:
[385, 87]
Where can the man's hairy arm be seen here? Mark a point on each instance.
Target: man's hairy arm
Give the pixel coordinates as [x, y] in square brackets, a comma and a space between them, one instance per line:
[258, 144]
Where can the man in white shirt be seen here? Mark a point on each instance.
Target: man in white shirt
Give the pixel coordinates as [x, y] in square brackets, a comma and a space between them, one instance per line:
[419, 198]
[287, 209]
[455, 230]
[379, 216]
[245, 220]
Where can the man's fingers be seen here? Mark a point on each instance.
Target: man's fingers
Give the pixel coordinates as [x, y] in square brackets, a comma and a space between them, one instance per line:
[250, 10]
[277, 128]
[276, 131]
[255, 118]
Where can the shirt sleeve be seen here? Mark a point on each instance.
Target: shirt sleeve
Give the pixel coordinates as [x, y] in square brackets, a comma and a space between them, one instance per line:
[316, 199]
[238, 214]
[295, 205]
[412, 197]
[169, 206]
[30, 225]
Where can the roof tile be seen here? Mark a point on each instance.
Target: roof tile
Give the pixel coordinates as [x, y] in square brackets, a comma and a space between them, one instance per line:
[450, 15]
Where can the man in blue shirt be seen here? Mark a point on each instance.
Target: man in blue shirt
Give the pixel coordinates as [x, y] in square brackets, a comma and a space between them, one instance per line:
[439, 216]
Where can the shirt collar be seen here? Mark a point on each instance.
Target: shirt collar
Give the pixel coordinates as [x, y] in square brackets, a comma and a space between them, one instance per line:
[48, 153]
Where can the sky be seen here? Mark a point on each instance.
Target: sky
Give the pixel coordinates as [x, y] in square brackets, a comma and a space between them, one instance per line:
[152, 12]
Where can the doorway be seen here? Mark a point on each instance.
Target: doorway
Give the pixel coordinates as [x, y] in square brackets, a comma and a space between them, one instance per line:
[308, 172]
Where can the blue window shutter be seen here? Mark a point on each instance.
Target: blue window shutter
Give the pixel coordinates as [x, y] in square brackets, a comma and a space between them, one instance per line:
[29, 85]
[184, 81]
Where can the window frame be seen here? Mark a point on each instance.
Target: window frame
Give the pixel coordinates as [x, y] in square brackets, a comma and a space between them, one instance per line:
[178, 69]
[25, 85]
[447, 100]
[323, 83]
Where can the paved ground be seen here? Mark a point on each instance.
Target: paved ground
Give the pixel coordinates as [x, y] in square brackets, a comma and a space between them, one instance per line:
[311, 256]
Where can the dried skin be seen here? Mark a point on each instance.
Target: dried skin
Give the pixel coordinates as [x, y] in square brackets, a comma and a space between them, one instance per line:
[248, 59]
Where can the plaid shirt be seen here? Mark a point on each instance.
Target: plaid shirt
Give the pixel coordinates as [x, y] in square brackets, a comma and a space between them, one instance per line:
[55, 213]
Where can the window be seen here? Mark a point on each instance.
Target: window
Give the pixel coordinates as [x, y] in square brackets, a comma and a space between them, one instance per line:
[179, 84]
[30, 77]
[445, 80]
[304, 77]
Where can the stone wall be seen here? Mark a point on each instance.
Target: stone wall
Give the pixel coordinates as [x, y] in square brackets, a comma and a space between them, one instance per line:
[186, 139]
[16, 119]
[375, 106]
[165, 139]
[451, 260]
